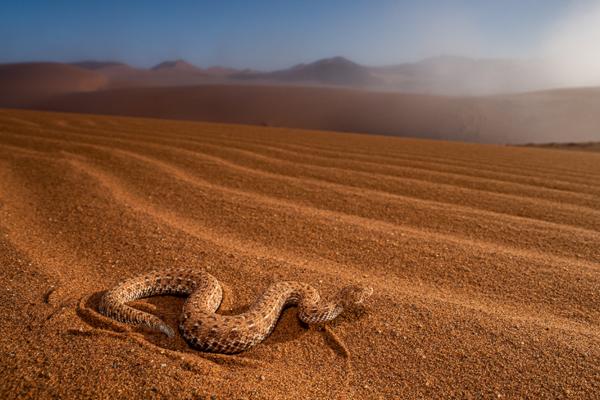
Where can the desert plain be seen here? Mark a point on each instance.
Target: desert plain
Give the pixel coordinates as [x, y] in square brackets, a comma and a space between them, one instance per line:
[484, 259]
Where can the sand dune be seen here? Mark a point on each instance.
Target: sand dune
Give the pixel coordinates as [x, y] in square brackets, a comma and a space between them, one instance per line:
[179, 90]
[550, 116]
[485, 259]
[26, 83]
[168, 73]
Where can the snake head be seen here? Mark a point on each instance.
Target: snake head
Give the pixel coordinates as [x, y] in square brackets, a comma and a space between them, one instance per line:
[354, 295]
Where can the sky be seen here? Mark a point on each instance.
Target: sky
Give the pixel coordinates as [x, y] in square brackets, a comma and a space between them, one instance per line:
[272, 34]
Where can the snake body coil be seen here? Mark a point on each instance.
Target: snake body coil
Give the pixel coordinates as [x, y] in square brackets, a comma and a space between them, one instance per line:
[206, 330]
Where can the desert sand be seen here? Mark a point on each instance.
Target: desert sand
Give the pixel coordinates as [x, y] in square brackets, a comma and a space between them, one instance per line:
[581, 146]
[485, 260]
[539, 117]
[23, 84]
[179, 90]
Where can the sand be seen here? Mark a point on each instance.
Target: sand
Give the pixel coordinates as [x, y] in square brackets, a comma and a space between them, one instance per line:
[177, 90]
[485, 260]
[23, 84]
[542, 117]
[580, 146]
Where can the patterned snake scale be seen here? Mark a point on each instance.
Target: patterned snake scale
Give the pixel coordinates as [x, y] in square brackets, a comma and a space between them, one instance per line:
[206, 330]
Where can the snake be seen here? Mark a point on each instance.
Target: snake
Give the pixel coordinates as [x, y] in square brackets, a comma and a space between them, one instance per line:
[206, 330]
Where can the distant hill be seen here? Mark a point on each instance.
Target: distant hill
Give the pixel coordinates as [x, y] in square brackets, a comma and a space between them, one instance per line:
[25, 83]
[328, 71]
[168, 73]
[176, 65]
[443, 75]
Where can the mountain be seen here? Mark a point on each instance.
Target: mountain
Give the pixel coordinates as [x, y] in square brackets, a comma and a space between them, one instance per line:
[443, 75]
[176, 65]
[329, 71]
[168, 73]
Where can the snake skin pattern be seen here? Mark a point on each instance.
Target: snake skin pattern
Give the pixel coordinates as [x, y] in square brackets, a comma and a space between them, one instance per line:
[205, 330]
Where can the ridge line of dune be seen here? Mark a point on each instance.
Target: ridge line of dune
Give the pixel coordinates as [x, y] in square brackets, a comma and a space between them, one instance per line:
[176, 134]
[569, 205]
[538, 181]
[398, 167]
[350, 218]
[135, 121]
[410, 156]
[206, 140]
[354, 188]
[429, 231]
[373, 175]
[405, 156]
[443, 160]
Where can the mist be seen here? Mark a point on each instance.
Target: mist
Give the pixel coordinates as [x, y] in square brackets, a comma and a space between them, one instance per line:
[475, 61]
[571, 47]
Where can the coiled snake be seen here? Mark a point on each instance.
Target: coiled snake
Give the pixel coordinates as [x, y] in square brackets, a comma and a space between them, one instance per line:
[206, 330]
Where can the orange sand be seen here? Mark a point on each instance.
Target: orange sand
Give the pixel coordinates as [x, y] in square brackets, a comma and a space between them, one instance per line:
[541, 117]
[485, 260]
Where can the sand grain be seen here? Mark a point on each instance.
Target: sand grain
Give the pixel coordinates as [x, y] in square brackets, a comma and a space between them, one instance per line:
[485, 260]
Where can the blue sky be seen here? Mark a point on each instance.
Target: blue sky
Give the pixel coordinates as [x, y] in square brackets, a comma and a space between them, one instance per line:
[273, 34]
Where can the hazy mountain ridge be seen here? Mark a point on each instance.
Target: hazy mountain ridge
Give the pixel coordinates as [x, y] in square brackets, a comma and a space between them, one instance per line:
[409, 106]
[179, 65]
[328, 71]
[442, 75]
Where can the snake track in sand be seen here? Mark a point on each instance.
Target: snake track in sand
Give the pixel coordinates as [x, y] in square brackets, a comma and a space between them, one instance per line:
[206, 330]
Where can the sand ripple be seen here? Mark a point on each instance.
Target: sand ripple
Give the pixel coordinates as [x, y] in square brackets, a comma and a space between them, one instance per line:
[485, 259]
